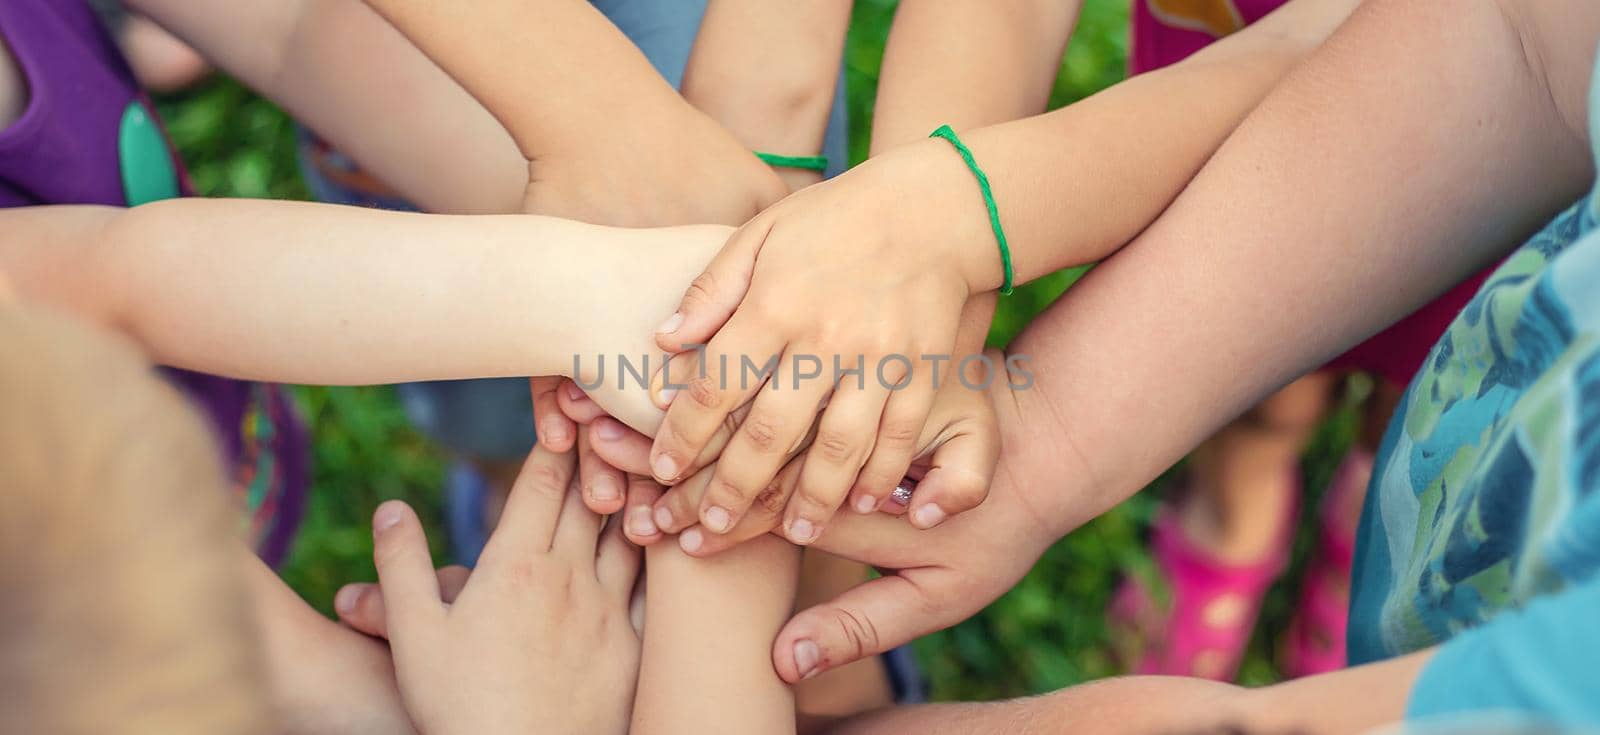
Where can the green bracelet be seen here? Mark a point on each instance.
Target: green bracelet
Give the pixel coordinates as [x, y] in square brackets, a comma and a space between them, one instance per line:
[945, 132]
[809, 163]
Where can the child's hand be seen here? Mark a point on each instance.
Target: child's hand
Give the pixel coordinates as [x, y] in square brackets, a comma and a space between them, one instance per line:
[539, 639]
[838, 273]
[955, 462]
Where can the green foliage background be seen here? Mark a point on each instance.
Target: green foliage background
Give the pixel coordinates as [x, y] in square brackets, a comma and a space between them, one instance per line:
[1047, 633]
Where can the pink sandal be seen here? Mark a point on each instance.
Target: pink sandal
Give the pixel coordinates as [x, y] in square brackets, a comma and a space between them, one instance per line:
[1204, 626]
[1314, 641]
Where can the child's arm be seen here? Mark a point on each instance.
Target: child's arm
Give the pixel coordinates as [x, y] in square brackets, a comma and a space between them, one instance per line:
[709, 625]
[1371, 180]
[341, 69]
[767, 72]
[312, 293]
[1349, 701]
[605, 137]
[883, 259]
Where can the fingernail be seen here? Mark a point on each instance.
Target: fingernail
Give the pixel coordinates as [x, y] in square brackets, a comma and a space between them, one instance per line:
[802, 531]
[605, 489]
[806, 656]
[717, 519]
[345, 600]
[639, 522]
[667, 394]
[554, 430]
[928, 516]
[690, 540]
[671, 324]
[574, 392]
[665, 468]
[866, 504]
[611, 429]
[385, 519]
[663, 518]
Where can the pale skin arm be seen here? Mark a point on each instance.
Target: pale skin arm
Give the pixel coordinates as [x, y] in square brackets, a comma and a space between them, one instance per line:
[767, 72]
[709, 625]
[322, 60]
[1349, 701]
[296, 292]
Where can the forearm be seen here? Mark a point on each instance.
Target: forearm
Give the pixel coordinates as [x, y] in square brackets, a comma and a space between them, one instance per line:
[1076, 184]
[322, 60]
[554, 73]
[296, 292]
[767, 73]
[1349, 701]
[967, 63]
[709, 627]
[1373, 179]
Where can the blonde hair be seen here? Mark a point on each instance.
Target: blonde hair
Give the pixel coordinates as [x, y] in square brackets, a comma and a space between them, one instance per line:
[120, 608]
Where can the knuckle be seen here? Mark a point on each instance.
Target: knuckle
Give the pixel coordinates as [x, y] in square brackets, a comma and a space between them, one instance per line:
[725, 492]
[898, 434]
[761, 432]
[818, 498]
[858, 633]
[546, 480]
[704, 391]
[771, 500]
[702, 290]
[834, 446]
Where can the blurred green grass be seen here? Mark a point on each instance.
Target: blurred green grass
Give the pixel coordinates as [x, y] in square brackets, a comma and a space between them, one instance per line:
[1047, 633]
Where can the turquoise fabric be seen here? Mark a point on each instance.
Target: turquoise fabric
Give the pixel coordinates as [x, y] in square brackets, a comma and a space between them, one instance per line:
[1481, 532]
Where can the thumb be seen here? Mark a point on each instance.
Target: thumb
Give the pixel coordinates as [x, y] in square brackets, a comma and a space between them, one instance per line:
[717, 291]
[867, 620]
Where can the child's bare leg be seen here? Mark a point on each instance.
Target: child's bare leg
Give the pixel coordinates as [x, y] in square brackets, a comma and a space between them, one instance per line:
[1244, 477]
[849, 689]
[709, 627]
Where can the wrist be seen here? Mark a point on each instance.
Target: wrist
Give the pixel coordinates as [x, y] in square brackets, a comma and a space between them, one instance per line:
[939, 204]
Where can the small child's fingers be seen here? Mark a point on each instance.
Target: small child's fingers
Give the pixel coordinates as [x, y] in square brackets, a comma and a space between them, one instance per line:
[360, 604]
[620, 446]
[576, 404]
[677, 508]
[405, 568]
[712, 297]
[556, 431]
[764, 516]
[603, 485]
[963, 468]
[578, 531]
[616, 563]
[639, 520]
[528, 523]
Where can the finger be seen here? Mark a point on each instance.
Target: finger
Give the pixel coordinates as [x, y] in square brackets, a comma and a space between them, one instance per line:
[575, 404]
[778, 422]
[616, 563]
[639, 524]
[602, 484]
[405, 568]
[878, 540]
[963, 468]
[867, 620]
[555, 430]
[844, 439]
[528, 523]
[620, 446]
[763, 517]
[678, 507]
[732, 369]
[578, 531]
[360, 605]
[713, 295]
[896, 443]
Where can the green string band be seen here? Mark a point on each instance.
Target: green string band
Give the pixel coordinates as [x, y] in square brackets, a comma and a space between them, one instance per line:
[945, 132]
[809, 163]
